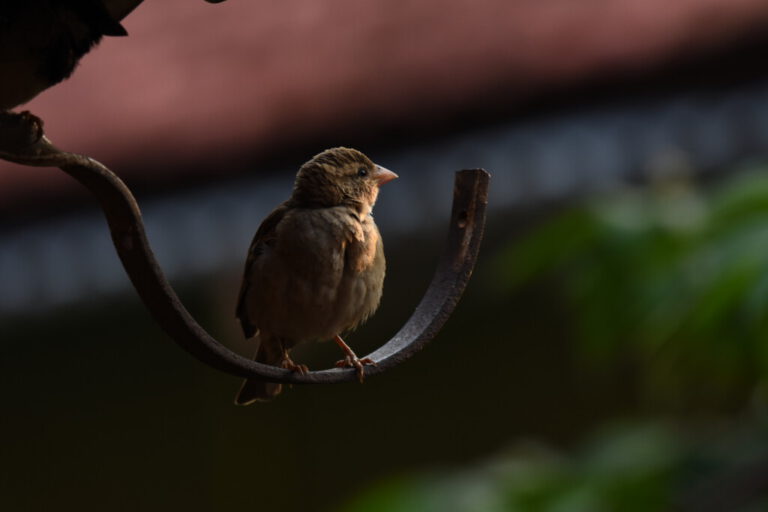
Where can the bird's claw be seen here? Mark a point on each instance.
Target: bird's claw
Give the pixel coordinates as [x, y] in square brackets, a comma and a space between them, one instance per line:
[352, 361]
[288, 364]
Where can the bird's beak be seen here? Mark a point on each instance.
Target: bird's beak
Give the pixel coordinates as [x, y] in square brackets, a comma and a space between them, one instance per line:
[383, 175]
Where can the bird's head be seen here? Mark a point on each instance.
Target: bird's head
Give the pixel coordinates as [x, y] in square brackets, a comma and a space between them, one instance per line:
[340, 176]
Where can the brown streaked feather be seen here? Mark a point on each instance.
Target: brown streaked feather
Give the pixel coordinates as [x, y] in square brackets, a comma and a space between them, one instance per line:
[295, 281]
[265, 235]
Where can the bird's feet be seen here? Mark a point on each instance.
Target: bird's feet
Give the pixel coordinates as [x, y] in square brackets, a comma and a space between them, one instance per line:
[352, 361]
[288, 364]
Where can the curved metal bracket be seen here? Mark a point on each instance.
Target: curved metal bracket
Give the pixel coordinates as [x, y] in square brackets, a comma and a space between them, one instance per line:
[22, 141]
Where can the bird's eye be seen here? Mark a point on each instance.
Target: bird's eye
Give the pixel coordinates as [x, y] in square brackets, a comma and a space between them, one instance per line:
[362, 172]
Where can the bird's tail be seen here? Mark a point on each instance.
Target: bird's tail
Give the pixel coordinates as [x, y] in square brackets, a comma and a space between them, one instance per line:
[257, 390]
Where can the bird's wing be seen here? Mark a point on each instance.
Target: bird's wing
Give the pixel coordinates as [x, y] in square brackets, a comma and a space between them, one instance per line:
[264, 236]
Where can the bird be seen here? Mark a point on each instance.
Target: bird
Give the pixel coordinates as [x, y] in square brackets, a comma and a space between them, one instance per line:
[315, 268]
[42, 41]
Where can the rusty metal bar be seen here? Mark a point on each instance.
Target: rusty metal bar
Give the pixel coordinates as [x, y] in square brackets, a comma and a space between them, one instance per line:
[22, 141]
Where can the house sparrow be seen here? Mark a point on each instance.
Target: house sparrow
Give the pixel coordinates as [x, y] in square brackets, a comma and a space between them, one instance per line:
[41, 41]
[316, 265]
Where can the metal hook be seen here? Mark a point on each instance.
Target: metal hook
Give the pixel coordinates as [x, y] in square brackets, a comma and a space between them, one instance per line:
[22, 141]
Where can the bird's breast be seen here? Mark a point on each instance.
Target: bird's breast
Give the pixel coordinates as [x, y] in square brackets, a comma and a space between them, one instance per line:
[323, 276]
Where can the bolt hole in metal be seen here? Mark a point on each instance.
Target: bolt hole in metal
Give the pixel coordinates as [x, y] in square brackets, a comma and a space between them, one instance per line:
[462, 221]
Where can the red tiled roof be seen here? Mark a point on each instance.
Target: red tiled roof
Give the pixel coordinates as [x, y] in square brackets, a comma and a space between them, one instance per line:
[195, 79]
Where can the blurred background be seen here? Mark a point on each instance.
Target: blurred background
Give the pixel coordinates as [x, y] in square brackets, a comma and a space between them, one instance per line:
[614, 330]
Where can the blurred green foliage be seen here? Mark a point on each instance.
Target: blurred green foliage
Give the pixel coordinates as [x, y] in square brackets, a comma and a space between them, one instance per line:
[637, 468]
[672, 275]
[664, 285]
[669, 280]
